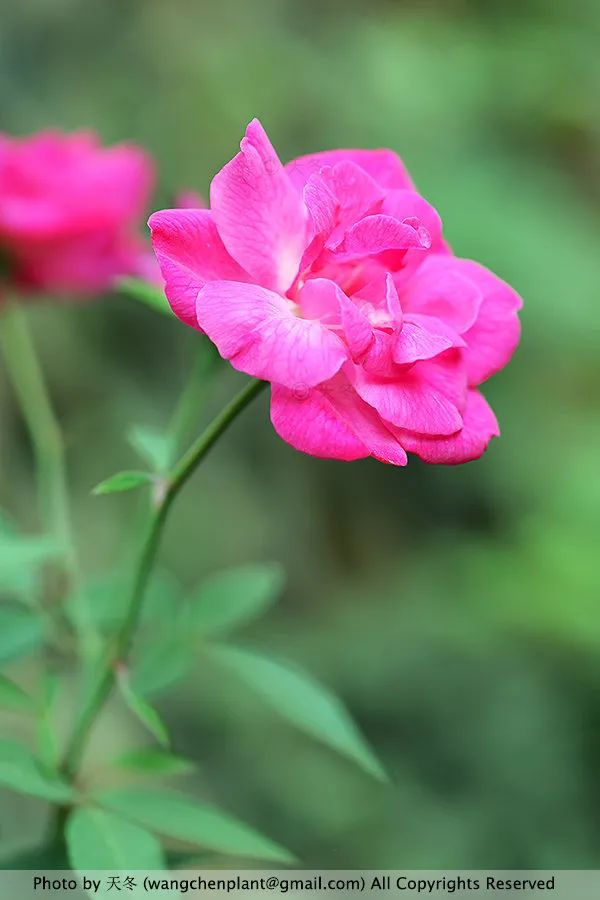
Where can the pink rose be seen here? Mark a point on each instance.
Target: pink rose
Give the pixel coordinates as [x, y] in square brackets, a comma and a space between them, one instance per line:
[329, 278]
[69, 210]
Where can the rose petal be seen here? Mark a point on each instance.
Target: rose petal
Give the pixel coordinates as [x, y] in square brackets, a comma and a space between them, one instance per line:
[190, 253]
[258, 332]
[479, 427]
[332, 422]
[384, 166]
[375, 234]
[423, 398]
[260, 216]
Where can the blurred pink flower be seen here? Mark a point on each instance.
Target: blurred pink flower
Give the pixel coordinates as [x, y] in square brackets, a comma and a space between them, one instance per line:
[329, 278]
[69, 209]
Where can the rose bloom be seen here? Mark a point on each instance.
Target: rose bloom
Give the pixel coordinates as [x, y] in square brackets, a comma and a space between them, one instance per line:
[69, 210]
[329, 278]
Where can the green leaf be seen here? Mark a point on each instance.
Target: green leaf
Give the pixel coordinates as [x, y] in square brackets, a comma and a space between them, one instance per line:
[152, 445]
[153, 761]
[21, 555]
[123, 481]
[104, 597]
[178, 817]
[97, 839]
[301, 700]
[233, 597]
[21, 771]
[13, 697]
[21, 631]
[144, 712]
[158, 666]
[146, 293]
[46, 732]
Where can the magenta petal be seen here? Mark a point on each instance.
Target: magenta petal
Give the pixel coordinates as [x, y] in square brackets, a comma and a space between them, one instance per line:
[423, 337]
[425, 398]
[415, 342]
[258, 331]
[332, 422]
[409, 204]
[324, 299]
[479, 427]
[384, 166]
[190, 253]
[259, 214]
[441, 287]
[493, 338]
[375, 234]
[351, 194]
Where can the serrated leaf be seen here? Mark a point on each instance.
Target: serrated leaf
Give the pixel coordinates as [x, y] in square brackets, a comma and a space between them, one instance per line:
[13, 697]
[123, 481]
[21, 631]
[234, 597]
[303, 701]
[144, 712]
[151, 445]
[21, 771]
[153, 761]
[146, 293]
[176, 816]
[97, 839]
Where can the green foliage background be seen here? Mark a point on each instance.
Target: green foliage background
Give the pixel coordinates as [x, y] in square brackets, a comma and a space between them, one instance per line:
[454, 610]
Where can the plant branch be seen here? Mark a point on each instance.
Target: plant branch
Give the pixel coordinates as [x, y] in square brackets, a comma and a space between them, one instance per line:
[163, 498]
[26, 377]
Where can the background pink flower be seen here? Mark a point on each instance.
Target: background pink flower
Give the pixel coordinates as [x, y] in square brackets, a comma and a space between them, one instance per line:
[330, 278]
[69, 210]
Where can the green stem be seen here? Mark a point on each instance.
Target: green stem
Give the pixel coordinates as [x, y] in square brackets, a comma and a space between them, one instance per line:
[163, 498]
[191, 399]
[26, 376]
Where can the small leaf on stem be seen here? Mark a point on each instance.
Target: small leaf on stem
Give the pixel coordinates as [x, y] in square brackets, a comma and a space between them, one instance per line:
[21, 771]
[153, 761]
[178, 817]
[123, 481]
[305, 703]
[97, 839]
[142, 709]
[233, 597]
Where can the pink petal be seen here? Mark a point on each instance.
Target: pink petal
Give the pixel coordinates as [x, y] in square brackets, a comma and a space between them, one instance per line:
[259, 214]
[82, 264]
[340, 195]
[384, 166]
[424, 398]
[406, 204]
[332, 422]
[190, 253]
[423, 337]
[258, 332]
[493, 338]
[379, 359]
[479, 427]
[324, 299]
[442, 288]
[381, 297]
[375, 234]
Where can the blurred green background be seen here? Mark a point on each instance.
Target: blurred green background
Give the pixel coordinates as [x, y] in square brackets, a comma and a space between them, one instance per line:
[454, 609]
